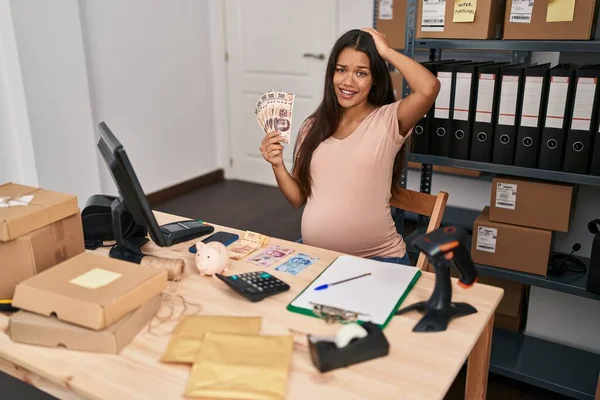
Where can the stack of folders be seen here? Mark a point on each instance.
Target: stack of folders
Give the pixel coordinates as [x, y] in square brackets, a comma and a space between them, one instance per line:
[527, 115]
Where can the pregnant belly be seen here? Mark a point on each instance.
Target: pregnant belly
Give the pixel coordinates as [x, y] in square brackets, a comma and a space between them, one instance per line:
[363, 233]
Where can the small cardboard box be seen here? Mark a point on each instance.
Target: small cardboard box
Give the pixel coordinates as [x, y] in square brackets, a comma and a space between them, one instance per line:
[90, 290]
[509, 312]
[391, 21]
[397, 84]
[487, 21]
[512, 247]
[37, 251]
[531, 203]
[533, 22]
[19, 217]
[30, 328]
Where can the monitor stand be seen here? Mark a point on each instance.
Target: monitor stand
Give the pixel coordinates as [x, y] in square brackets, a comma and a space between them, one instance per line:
[133, 243]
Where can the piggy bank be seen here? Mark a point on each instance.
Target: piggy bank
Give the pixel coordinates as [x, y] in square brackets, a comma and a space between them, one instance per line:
[211, 258]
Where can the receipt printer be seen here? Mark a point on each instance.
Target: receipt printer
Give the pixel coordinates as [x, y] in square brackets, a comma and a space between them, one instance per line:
[353, 344]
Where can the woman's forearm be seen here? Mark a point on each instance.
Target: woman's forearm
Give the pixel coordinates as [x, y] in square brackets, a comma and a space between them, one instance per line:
[289, 187]
[419, 79]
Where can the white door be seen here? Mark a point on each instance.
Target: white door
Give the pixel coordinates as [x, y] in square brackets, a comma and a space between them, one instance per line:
[273, 44]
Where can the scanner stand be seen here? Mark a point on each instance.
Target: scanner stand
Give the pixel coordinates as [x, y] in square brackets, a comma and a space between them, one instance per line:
[439, 309]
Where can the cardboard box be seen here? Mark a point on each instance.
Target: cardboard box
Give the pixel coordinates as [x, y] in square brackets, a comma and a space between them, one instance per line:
[45, 208]
[90, 290]
[509, 313]
[532, 203]
[512, 247]
[397, 84]
[37, 251]
[487, 22]
[30, 328]
[580, 28]
[391, 21]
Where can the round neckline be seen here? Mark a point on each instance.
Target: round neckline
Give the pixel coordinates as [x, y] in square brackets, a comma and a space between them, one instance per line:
[358, 126]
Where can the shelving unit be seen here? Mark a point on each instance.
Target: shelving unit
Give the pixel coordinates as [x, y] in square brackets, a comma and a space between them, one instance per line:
[515, 355]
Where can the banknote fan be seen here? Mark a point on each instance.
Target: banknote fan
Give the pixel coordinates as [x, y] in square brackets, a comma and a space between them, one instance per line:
[274, 113]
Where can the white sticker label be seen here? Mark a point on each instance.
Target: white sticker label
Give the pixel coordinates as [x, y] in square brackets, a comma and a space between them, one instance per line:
[462, 96]
[508, 100]
[532, 96]
[584, 101]
[506, 195]
[434, 12]
[95, 278]
[557, 101]
[386, 9]
[442, 102]
[521, 11]
[486, 239]
[485, 98]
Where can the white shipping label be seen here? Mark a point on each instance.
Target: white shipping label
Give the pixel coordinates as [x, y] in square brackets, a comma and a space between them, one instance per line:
[462, 96]
[532, 96]
[584, 100]
[486, 239]
[506, 195]
[557, 101]
[386, 10]
[521, 11]
[432, 19]
[508, 100]
[485, 98]
[442, 102]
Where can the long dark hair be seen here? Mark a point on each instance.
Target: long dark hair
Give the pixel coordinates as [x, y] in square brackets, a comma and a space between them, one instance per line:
[326, 118]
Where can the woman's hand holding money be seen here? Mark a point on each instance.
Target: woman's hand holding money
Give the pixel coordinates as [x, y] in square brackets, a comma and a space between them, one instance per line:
[272, 149]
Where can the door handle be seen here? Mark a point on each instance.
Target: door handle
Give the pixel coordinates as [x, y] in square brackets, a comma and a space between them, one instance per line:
[320, 56]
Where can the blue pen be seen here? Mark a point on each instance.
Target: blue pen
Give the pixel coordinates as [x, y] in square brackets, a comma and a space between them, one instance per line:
[325, 286]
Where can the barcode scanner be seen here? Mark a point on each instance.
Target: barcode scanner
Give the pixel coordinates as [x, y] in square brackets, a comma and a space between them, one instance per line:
[445, 249]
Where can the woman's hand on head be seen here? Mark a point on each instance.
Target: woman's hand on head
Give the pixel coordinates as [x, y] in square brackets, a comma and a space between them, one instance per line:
[272, 149]
[380, 40]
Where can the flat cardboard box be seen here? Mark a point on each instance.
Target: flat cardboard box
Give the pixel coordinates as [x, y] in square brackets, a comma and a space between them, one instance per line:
[37, 251]
[513, 247]
[45, 208]
[487, 23]
[30, 328]
[531, 203]
[90, 290]
[393, 24]
[580, 28]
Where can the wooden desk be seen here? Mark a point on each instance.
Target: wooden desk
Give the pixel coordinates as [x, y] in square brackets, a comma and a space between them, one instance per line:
[419, 366]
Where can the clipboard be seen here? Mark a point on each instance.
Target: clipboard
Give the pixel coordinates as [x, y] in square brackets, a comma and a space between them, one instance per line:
[374, 298]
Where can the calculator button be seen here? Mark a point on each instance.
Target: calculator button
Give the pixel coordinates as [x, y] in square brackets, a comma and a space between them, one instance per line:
[234, 278]
[265, 275]
[260, 289]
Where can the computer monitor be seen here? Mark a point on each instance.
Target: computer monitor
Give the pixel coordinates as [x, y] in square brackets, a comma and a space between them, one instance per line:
[133, 199]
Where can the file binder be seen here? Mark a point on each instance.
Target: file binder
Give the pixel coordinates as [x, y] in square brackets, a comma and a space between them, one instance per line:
[531, 111]
[505, 135]
[554, 131]
[595, 164]
[486, 112]
[463, 109]
[583, 118]
[439, 139]
[422, 129]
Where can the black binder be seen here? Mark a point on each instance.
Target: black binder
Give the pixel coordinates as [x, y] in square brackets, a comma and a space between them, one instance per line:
[439, 139]
[595, 164]
[463, 108]
[422, 130]
[510, 93]
[584, 116]
[531, 111]
[554, 130]
[486, 112]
